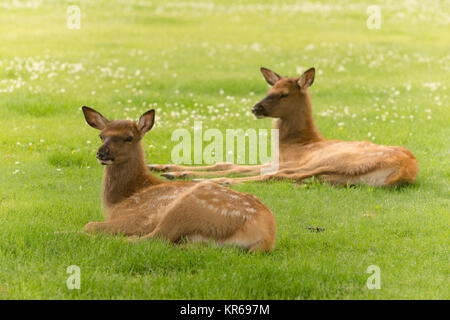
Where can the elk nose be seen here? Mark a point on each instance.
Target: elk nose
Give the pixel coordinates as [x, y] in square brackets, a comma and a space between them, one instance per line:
[102, 153]
[258, 108]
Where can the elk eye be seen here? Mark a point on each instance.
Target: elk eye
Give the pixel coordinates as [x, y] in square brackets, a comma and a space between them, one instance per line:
[283, 96]
[129, 139]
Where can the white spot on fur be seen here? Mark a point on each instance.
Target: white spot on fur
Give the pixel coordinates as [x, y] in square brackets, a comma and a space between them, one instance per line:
[166, 197]
[235, 213]
[252, 210]
[208, 186]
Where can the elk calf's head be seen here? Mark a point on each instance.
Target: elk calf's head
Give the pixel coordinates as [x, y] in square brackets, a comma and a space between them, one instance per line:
[120, 138]
[284, 97]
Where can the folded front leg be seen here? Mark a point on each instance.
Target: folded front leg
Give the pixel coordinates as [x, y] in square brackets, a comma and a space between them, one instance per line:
[136, 224]
[177, 168]
[244, 170]
[295, 174]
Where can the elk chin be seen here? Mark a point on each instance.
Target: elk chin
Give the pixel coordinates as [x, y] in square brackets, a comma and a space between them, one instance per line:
[105, 162]
[259, 116]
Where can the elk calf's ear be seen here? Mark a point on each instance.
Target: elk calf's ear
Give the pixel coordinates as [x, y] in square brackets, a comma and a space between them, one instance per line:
[146, 121]
[270, 76]
[94, 118]
[307, 78]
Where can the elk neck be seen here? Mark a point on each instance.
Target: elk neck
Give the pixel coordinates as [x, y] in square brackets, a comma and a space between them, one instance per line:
[298, 127]
[122, 180]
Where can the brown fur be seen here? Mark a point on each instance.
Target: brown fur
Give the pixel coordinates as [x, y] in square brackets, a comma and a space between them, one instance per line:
[304, 153]
[139, 204]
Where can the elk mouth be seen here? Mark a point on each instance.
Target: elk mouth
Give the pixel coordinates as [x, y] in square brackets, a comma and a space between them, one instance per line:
[105, 162]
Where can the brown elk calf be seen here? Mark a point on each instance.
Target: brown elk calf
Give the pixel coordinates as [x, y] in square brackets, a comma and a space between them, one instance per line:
[304, 153]
[139, 204]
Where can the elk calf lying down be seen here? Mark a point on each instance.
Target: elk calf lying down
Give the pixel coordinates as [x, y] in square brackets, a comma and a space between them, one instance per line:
[139, 204]
[304, 153]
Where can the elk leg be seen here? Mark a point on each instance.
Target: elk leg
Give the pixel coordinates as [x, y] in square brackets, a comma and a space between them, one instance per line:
[236, 170]
[296, 174]
[177, 224]
[174, 225]
[171, 227]
[135, 224]
[175, 167]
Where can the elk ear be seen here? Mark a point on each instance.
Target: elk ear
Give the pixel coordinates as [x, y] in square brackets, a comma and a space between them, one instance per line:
[94, 118]
[270, 76]
[146, 121]
[307, 78]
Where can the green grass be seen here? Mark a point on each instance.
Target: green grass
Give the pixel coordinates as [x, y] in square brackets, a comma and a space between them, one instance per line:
[389, 86]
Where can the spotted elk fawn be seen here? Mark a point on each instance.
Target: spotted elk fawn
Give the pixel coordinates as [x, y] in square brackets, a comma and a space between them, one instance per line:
[139, 204]
[304, 153]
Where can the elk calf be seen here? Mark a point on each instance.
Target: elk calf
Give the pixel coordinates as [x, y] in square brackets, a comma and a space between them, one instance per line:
[137, 203]
[304, 153]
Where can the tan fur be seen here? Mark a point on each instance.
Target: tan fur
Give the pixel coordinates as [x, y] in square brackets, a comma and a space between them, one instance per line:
[304, 153]
[139, 204]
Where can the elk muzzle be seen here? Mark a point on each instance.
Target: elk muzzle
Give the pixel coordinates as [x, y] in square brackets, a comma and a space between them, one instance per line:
[259, 111]
[103, 155]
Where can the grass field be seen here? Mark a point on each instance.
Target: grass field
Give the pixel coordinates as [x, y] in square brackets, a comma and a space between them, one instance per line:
[200, 61]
